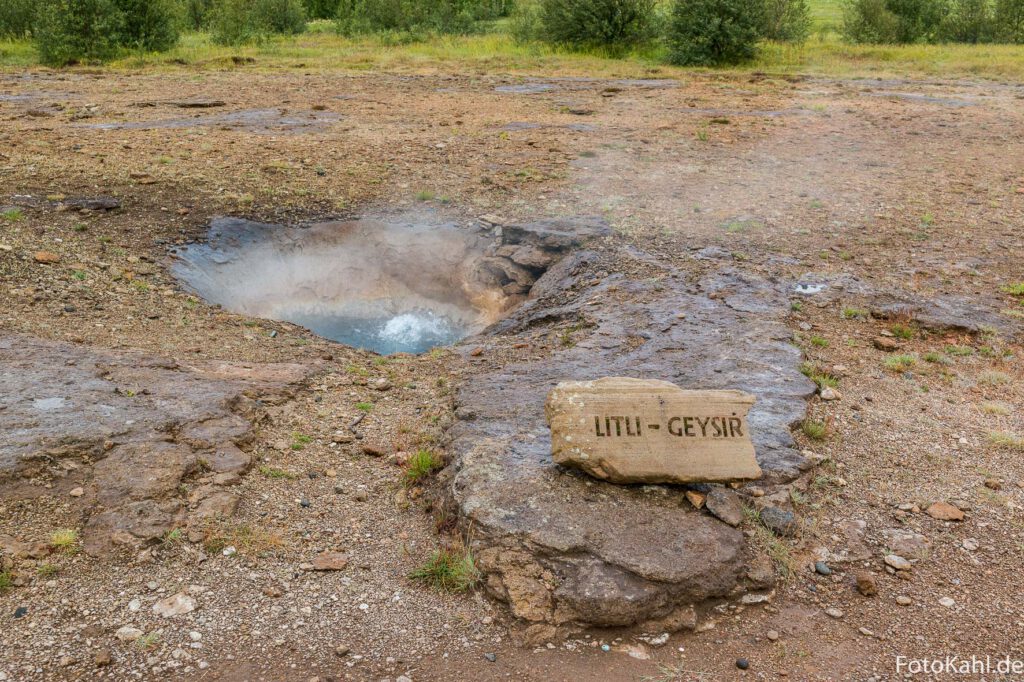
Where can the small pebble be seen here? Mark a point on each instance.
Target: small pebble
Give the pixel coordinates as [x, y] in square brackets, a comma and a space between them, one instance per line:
[772, 635]
[904, 601]
[742, 663]
[822, 568]
[491, 657]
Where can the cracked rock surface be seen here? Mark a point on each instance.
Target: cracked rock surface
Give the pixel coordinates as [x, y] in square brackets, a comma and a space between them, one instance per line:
[129, 429]
[564, 549]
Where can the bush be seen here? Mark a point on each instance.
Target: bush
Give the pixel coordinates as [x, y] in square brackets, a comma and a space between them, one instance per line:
[711, 32]
[321, 9]
[893, 21]
[234, 22]
[413, 16]
[1009, 21]
[69, 31]
[16, 17]
[196, 13]
[869, 21]
[595, 23]
[150, 24]
[969, 21]
[787, 21]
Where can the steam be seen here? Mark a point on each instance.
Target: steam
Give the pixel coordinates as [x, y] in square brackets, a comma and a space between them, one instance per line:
[385, 286]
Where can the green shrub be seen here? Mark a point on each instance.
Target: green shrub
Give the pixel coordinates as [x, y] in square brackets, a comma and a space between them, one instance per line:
[69, 31]
[869, 21]
[787, 21]
[893, 21]
[969, 21]
[595, 23]
[16, 17]
[711, 32]
[234, 22]
[321, 9]
[415, 16]
[150, 24]
[196, 13]
[1009, 21]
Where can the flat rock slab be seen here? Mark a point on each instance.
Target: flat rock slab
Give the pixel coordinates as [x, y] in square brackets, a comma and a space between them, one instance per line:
[563, 548]
[626, 430]
[129, 429]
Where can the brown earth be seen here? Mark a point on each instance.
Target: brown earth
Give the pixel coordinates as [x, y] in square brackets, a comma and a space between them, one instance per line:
[887, 191]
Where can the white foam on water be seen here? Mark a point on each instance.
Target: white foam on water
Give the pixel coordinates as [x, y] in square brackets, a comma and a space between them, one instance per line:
[410, 329]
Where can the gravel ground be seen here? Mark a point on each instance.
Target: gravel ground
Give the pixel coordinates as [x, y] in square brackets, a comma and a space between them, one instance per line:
[897, 186]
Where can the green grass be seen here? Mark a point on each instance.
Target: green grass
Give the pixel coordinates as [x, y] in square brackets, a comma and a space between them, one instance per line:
[449, 570]
[300, 441]
[47, 570]
[900, 363]
[959, 351]
[1016, 289]
[365, 407]
[902, 331]
[64, 540]
[321, 49]
[12, 215]
[819, 341]
[813, 429]
[855, 314]
[6, 581]
[786, 565]
[275, 472]
[421, 465]
[818, 375]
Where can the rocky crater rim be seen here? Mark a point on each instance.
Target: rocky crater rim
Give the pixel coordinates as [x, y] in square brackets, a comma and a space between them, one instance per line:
[383, 284]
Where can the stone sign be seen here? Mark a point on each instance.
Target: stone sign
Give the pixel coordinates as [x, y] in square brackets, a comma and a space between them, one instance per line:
[626, 430]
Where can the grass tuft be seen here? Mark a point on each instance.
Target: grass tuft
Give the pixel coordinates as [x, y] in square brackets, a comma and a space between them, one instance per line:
[993, 378]
[902, 331]
[1016, 289]
[855, 314]
[6, 581]
[814, 429]
[996, 408]
[900, 363]
[275, 472]
[64, 540]
[449, 570]
[421, 465]
[1005, 439]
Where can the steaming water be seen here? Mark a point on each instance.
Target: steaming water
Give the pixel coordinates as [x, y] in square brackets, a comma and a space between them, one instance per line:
[385, 287]
[411, 332]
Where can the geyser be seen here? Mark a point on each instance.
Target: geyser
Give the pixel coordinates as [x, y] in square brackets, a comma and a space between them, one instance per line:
[388, 287]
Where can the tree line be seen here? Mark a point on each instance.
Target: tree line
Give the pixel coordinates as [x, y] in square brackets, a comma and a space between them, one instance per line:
[691, 32]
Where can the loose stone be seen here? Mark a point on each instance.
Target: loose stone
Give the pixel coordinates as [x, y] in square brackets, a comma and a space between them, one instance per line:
[822, 568]
[742, 663]
[903, 600]
[897, 562]
[834, 613]
[866, 584]
[944, 511]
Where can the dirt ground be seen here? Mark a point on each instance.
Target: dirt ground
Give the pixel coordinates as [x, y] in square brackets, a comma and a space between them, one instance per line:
[894, 186]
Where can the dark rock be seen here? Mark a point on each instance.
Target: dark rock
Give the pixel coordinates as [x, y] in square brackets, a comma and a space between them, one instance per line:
[21, 612]
[779, 521]
[822, 568]
[742, 663]
[562, 549]
[491, 657]
[725, 504]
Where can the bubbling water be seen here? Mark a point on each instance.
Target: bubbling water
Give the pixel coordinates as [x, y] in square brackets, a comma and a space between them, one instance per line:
[411, 332]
